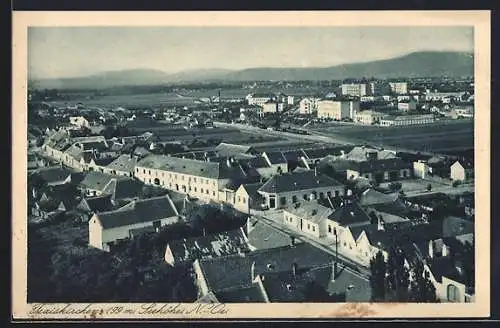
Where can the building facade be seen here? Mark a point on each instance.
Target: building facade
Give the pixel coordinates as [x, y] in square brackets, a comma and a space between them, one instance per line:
[354, 89]
[338, 110]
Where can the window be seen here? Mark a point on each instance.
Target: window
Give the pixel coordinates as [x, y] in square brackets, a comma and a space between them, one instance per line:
[452, 292]
[294, 199]
[195, 189]
[137, 170]
[239, 199]
[207, 192]
[314, 228]
[244, 200]
[283, 200]
[170, 175]
[213, 193]
[206, 181]
[162, 174]
[149, 172]
[182, 178]
[201, 190]
[308, 226]
[194, 179]
[345, 244]
[189, 188]
[329, 229]
[144, 171]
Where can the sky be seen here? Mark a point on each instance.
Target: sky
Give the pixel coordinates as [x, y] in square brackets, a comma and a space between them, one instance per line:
[55, 52]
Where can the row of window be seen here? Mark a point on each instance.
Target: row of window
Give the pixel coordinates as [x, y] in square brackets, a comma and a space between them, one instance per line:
[242, 200]
[182, 188]
[314, 195]
[175, 176]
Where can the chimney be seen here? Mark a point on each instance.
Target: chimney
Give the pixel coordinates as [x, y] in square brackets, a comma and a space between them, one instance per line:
[228, 162]
[445, 250]
[294, 268]
[431, 249]
[292, 240]
[315, 171]
[380, 223]
[252, 272]
[334, 272]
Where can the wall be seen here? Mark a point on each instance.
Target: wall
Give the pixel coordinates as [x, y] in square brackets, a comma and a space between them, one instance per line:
[293, 220]
[95, 237]
[300, 195]
[457, 172]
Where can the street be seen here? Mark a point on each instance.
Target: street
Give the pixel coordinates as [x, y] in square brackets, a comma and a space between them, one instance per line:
[273, 218]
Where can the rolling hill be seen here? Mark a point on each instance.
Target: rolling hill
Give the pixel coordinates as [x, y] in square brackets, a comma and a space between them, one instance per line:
[417, 64]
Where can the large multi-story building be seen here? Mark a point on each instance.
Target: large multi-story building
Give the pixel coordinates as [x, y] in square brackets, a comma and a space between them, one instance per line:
[201, 179]
[368, 117]
[379, 88]
[338, 109]
[259, 99]
[400, 88]
[354, 89]
[308, 105]
[407, 120]
[272, 107]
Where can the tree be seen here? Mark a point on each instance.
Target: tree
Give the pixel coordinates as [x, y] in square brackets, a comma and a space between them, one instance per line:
[421, 287]
[429, 187]
[377, 278]
[397, 274]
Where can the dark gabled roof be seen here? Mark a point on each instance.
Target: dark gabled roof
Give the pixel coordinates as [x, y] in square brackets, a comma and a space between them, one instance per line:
[310, 211]
[454, 226]
[252, 188]
[104, 161]
[123, 188]
[270, 260]
[98, 204]
[261, 235]
[444, 266]
[294, 155]
[96, 180]
[350, 213]
[53, 174]
[468, 165]
[139, 211]
[295, 181]
[276, 157]
[97, 145]
[256, 162]
[251, 293]
[379, 165]
[209, 246]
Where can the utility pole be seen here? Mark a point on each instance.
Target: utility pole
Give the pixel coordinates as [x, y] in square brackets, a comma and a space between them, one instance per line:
[336, 254]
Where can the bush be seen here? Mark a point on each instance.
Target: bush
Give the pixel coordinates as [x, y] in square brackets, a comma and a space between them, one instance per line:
[429, 187]
[395, 186]
[455, 183]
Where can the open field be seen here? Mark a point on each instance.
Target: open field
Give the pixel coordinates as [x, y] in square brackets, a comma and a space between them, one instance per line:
[439, 137]
[168, 133]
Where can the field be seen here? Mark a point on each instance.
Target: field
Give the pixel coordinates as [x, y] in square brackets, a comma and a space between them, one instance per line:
[168, 133]
[447, 137]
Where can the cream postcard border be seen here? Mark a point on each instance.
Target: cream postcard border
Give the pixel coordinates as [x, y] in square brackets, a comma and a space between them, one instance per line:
[479, 19]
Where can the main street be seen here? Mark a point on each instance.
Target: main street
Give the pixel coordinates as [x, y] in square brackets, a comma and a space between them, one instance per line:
[273, 219]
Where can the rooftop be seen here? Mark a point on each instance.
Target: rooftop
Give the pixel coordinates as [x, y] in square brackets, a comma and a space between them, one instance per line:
[310, 211]
[296, 181]
[261, 235]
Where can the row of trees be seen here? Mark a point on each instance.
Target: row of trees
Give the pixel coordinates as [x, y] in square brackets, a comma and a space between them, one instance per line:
[393, 281]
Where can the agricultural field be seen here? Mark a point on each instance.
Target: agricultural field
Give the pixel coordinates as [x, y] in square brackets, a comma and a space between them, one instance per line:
[449, 137]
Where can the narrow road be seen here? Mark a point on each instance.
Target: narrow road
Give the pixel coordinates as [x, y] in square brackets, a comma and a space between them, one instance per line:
[449, 190]
[353, 267]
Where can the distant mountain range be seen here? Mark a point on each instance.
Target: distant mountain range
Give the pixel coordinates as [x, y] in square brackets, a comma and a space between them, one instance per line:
[416, 64]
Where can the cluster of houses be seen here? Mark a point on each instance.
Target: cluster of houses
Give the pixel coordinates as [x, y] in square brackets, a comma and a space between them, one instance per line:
[103, 180]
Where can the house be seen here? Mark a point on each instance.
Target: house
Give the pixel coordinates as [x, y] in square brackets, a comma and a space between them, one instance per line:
[90, 205]
[52, 176]
[247, 197]
[364, 153]
[288, 188]
[368, 117]
[338, 109]
[94, 182]
[379, 170]
[239, 270]
[308, 105]
[53, 200]
[371, 197]
[119, 187]
[399, 87]
[108, 228]
[185, 251]
[262, 235]
[260, 164]
[206, 180]
[461, 171]
[309, 218]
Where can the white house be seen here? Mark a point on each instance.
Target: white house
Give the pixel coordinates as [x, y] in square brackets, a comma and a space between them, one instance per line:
[461, 171]
[308, 105]
[108, 228]
[368, 117]
[307, 217]
[79, 121]
[408, 105]
[338, 110]
[272, 107]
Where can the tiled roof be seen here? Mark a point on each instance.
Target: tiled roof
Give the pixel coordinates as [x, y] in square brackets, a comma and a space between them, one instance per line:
[379, 165]
[96, 180]
[454, 226]
[226, 149]
[318, 153]
[360, 154]
[276, 157]
[294, 155]
[123, 188]
[251, 293]
[138, 211]
[191, 167]
[310, 211]
[372, 197]
[52, 174]
[209, 246]
[295, 181]
[261, 235]
[350, 213]
[256, 162]
[270, 260]
[444, 266]
[252, 188]
[97, 204]
[124, 163]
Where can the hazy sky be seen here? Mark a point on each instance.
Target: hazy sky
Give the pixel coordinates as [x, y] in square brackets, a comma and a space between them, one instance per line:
[77, 51]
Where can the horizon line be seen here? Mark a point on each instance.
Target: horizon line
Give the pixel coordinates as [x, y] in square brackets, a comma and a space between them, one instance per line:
[244, 68]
